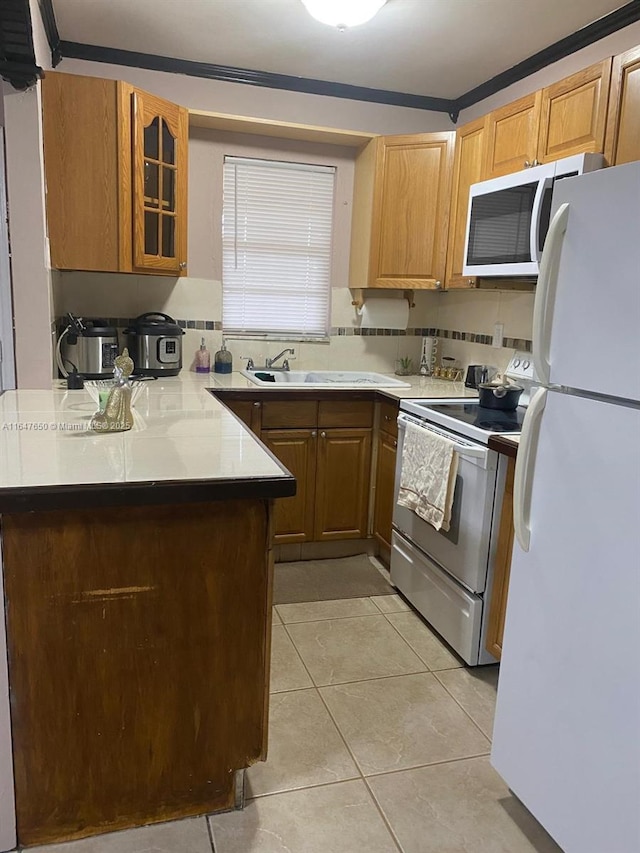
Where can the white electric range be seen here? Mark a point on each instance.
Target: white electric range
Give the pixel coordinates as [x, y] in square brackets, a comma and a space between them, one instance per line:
[447, 575]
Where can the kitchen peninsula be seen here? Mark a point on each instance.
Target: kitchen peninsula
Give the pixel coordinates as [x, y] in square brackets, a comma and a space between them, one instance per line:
[137, 574]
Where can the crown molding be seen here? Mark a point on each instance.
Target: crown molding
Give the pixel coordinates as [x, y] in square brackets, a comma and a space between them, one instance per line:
[267, 79]
[51, 29]
[611, 23]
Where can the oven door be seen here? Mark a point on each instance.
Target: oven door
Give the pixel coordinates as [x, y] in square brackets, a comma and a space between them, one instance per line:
[507, 223]
[463, 550]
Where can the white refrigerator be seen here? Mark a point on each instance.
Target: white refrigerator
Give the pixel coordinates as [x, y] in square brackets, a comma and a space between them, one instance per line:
[567, 727]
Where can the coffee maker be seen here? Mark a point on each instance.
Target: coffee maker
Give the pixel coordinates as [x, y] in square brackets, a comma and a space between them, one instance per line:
[479, 373]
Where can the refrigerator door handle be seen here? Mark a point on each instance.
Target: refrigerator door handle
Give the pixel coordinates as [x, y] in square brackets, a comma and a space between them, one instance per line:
[524, 468]
[545, 293]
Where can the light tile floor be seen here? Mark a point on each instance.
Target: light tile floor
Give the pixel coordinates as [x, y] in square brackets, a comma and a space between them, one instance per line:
[379, 740]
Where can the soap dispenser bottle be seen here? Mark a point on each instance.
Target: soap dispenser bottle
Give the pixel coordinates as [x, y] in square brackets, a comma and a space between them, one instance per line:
[203, 359]
[223, 360]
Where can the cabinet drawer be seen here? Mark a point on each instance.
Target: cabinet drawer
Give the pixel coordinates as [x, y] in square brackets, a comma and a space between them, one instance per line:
[345, 413]
[289, 414]
[389, 418]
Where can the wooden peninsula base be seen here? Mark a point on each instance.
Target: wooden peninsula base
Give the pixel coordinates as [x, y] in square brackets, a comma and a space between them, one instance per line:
[139, 645]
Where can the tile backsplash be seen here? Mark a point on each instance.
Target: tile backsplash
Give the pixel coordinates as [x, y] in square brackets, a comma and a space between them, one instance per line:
[462, 320]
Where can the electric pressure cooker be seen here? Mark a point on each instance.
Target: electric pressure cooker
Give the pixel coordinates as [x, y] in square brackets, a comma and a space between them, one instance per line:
[155, 344]
[88, 347]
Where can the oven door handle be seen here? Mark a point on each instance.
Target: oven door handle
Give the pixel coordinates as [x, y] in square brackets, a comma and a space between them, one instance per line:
[461, 449]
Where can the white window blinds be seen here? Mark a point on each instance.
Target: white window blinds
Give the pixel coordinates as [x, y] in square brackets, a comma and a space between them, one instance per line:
[276, 239]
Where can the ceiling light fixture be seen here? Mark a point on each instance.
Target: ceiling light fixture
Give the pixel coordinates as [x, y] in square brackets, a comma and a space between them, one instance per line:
[343, 13]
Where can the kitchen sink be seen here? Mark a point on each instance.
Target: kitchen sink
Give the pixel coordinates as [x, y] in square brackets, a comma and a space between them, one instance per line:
[323, 379]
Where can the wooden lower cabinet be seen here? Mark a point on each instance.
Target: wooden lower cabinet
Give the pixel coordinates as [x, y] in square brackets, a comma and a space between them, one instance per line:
[139, 649]
[249, 413]
[502, 569]
[385, 478]
[326, 444]
[332, 468]
[296, 449]
[342, 484]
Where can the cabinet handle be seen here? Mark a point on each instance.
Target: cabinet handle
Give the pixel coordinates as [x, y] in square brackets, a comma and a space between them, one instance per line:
[182, 265]
[257, 405]
[395, 443]
[438, 285]
[314, 433]
[536, 162]
[387, 418]
[323, 435]
[527, 164]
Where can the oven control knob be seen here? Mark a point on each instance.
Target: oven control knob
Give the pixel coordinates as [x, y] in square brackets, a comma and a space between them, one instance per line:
[526, 365]
[516, 362]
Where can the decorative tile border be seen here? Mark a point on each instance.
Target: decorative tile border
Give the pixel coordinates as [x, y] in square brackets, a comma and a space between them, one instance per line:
[521, 344]
[470, 337]
[123, 322]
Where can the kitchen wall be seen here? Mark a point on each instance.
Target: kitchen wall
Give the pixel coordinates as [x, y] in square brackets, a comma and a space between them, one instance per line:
[33, 305]
[196, 300]
[464, 318]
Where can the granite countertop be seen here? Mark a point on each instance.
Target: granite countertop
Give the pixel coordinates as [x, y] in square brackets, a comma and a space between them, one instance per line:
[185, 445]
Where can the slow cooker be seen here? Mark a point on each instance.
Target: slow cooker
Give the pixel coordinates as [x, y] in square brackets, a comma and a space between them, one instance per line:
[155, 344]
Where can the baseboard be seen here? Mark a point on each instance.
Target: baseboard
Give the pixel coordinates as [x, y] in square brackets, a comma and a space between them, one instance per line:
[324, 550]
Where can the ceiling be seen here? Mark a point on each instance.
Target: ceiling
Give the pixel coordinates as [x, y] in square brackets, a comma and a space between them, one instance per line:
[440, 48]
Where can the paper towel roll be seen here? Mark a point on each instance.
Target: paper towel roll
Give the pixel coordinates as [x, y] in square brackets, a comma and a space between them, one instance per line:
[385, 314]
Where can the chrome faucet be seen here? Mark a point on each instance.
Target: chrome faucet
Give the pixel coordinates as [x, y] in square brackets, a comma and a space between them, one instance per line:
[269, 362]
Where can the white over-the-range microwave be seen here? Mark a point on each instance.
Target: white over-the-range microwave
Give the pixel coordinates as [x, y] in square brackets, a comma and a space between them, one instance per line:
[508, 217]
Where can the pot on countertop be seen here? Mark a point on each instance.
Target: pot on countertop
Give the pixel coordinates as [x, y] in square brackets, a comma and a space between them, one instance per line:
[155, 344]
[499, 395]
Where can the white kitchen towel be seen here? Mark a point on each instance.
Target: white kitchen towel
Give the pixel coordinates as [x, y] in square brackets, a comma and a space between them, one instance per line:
[428, 475]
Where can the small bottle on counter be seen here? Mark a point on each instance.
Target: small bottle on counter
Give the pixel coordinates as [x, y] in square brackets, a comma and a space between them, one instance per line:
[223, 360]
[203, 359]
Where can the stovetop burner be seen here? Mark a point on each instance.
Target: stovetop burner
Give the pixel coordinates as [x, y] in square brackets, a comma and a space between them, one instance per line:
[491, 420]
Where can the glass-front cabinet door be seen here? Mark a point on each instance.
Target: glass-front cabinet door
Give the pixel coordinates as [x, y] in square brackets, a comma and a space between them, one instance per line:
[160, 134]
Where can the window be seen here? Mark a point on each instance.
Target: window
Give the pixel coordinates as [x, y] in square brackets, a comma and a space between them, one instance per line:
[276, 248]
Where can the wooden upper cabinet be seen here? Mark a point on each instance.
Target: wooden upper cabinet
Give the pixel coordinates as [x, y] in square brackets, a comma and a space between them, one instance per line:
[468, 168]
[116, 193]
[401, 211]
[160, 133]
[512, 136]
[623, 122]
[574, 113]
